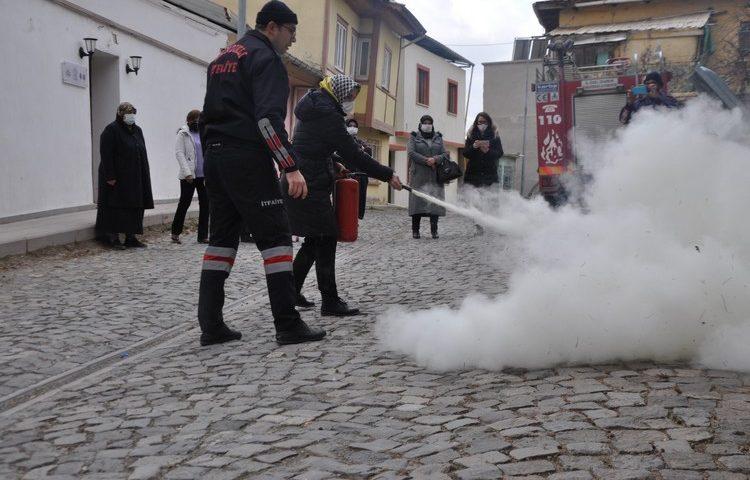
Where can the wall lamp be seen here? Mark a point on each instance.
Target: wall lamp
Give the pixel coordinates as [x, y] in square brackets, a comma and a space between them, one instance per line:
[90, 47]
[134, 65]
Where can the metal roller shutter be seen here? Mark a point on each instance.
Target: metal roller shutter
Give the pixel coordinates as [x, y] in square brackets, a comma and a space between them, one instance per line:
[597, 116]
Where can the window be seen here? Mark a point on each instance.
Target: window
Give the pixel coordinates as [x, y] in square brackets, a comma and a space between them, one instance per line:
[423, 85]
[353, 61]
[452, 97]
[339, 59]
[594, 54]
[385, 75]
[744, 38]
[362, 65]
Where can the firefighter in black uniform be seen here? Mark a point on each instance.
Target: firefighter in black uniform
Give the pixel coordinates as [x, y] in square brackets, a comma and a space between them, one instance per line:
[243, 134]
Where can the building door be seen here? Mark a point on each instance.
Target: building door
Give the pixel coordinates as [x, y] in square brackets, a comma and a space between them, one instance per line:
[104, 90]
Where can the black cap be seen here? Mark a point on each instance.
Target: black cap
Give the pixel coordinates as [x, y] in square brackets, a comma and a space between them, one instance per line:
[426, 117]
[654, 77]
[275, 11]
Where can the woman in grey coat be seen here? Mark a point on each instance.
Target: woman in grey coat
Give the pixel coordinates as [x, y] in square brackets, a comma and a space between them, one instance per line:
[425, 151]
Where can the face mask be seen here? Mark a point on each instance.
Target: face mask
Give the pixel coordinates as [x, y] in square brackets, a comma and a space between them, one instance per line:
[193, 126]
[352, 130]
[347, 107]
[426, 128]
[129, 118]
[482, 127]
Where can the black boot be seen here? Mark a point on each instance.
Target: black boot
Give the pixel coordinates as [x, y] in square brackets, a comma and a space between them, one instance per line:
[434, 227]
[222, 335]
[336, 307]
[415, 221]
[303, 302]
[132, 242]
[299, 333]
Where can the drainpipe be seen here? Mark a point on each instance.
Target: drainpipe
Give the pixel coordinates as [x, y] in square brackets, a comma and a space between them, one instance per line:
[468, 96]
[242, 20]
[525, 124]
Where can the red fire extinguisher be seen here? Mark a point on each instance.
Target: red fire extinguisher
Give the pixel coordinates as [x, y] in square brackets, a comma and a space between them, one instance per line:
[346, 204]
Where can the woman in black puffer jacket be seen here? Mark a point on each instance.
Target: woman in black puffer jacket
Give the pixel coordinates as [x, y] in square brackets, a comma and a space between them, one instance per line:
[320, 132]
[483, 150]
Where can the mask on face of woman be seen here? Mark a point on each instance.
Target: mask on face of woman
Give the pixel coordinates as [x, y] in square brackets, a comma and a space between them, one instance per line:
[352, 130]
[129, 118]
[482, 127]
[193, 126]
[426, 128]
[348, 107]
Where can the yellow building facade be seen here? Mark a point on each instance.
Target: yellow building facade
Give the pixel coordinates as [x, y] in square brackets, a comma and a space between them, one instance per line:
[361, 38]
[676, 34]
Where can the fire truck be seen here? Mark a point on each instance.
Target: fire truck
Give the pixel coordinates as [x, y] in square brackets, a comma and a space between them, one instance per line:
[573, 103]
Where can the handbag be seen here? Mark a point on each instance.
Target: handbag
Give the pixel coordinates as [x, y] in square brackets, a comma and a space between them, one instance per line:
[447, 170]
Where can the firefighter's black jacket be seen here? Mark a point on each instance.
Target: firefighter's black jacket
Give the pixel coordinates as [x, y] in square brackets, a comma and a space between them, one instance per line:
[246, 98]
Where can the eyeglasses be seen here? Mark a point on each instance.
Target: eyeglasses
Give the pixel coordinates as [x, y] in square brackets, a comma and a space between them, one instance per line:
[292, 30]
[481, 122]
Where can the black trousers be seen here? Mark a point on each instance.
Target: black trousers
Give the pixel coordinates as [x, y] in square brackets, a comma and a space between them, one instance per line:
[187, 189]
[321, 251]
[417, 219]
[243, 188]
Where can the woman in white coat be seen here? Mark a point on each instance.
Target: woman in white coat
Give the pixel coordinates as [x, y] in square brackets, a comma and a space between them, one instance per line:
[190, 159]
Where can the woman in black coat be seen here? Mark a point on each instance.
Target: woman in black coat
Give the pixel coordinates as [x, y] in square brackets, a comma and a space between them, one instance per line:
[124, 181]
[320, 132]
[483, 150]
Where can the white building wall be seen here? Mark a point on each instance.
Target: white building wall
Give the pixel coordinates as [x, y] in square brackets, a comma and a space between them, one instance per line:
[46, 127]
[408, 111]
[506, 95]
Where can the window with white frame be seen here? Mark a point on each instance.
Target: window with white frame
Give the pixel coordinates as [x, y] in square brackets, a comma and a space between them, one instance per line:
[339, 58]
[362, 65]
[385, 75]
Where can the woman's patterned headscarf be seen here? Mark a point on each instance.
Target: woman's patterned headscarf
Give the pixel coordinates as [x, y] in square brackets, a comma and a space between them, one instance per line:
[340, 86]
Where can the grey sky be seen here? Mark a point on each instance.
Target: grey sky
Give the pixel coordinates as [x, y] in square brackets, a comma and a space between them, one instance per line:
[469, 22]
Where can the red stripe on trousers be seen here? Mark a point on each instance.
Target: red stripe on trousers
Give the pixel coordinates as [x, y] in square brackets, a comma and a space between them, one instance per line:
[217, 258]
[279, 259]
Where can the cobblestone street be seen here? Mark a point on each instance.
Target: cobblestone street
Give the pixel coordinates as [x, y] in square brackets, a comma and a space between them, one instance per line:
[127, 392]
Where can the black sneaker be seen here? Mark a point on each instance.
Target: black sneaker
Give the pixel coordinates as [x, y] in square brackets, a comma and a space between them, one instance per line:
[133, 242]
[116, 244]
[415, 235]
[337, 308]
[300, 334]
[223, 335]
[303, 302]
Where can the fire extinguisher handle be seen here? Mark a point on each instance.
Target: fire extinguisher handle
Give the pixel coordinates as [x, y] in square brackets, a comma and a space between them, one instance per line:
[406, 187]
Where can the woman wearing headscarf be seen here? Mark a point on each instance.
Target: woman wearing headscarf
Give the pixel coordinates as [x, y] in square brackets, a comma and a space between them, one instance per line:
[483, 150]
[320, 132]
[124, 181]
[425, 152]
[189, 154]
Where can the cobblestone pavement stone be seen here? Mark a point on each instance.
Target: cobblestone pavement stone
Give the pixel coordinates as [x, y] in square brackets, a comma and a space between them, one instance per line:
[341, 408]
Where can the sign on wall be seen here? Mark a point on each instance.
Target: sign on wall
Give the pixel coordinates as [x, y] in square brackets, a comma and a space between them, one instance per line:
[75, 74]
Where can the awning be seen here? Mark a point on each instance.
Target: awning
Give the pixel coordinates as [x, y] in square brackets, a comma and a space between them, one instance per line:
[693, 21]
[609, 38]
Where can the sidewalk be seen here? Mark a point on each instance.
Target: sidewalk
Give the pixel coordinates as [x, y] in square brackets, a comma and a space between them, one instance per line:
[26, 236]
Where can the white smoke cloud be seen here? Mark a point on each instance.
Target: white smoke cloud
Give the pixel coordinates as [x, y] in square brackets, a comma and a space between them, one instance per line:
[658, 268]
